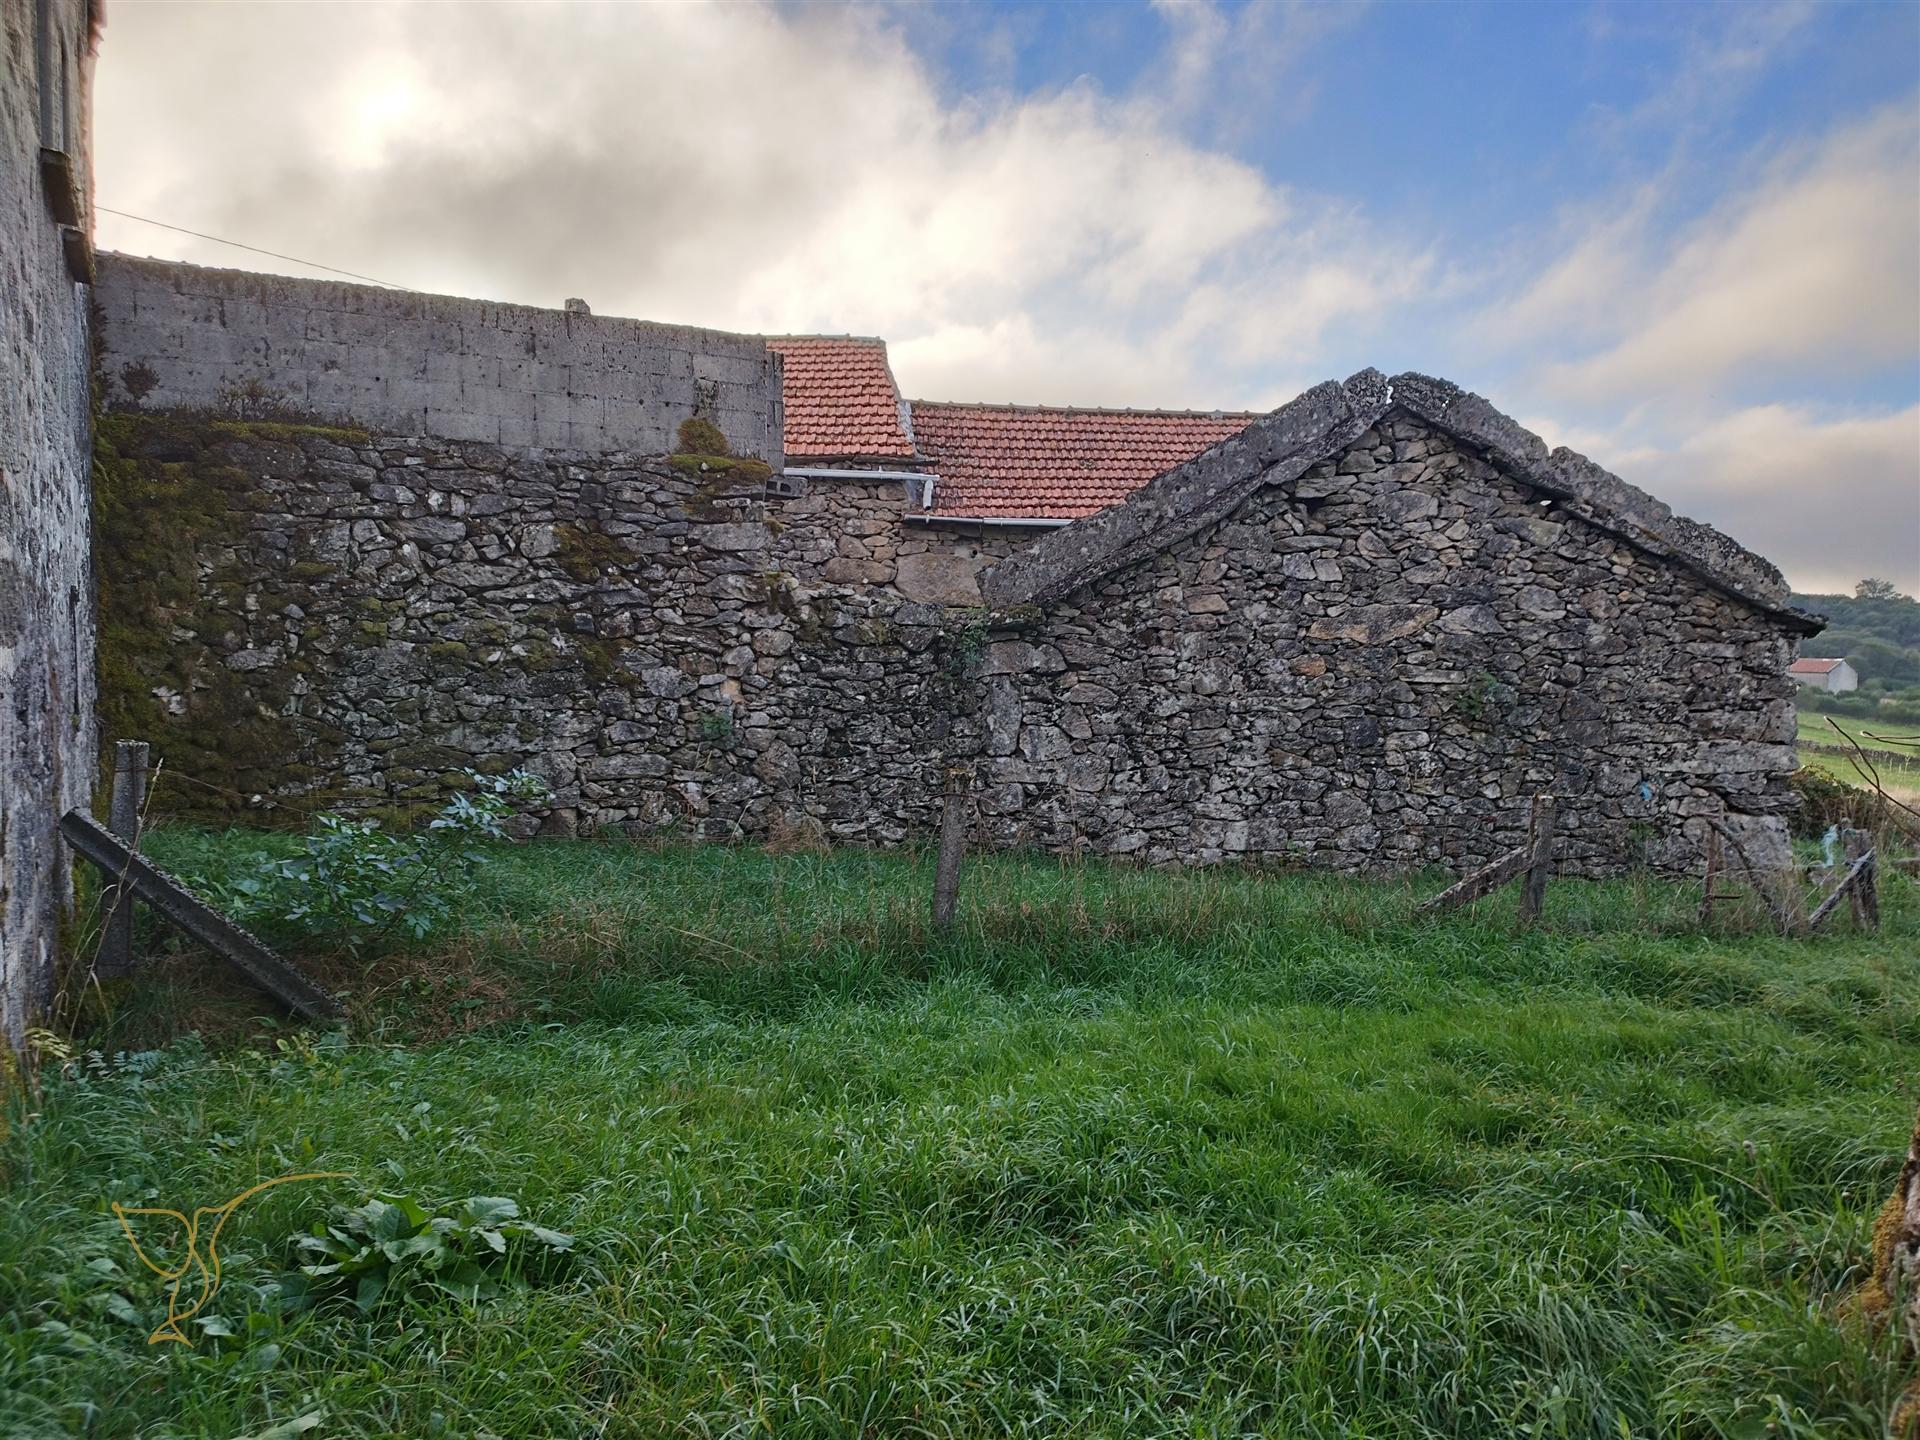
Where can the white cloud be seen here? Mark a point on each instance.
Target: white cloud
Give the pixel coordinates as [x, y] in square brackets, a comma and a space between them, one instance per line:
[761, 167]
[1830, 498]
[743, 167]
[1814, 264]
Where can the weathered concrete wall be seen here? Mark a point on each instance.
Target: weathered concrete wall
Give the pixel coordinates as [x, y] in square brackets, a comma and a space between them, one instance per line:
[46, 589]
[227, 342]
[1375, 666]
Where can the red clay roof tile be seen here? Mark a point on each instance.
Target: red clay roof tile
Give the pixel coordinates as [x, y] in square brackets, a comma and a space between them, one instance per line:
[1034, 462]
[841, 400]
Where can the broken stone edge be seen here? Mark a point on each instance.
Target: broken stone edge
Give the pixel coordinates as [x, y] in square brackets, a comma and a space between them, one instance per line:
[1283, 445]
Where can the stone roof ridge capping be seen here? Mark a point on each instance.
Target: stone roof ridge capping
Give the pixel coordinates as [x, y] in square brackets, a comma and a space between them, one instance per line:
[1281, 446]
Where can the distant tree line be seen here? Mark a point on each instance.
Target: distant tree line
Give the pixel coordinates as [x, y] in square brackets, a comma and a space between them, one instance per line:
[1877, 631]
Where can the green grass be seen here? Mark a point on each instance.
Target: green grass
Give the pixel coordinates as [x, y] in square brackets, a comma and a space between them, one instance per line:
[1127, 1153]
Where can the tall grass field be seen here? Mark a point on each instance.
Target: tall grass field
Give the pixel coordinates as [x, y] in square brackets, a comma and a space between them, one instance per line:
[1125, 1153]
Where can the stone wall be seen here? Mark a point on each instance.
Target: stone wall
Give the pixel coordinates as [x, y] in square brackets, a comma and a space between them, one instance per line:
[332, 616]
[1375, 665]
[850, 531]
[46, 587]
[182, 337]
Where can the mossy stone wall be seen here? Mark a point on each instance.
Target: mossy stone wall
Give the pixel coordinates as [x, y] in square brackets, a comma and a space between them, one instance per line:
[297, 616]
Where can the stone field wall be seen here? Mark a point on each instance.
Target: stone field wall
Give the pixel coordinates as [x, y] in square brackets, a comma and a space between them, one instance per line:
[1375, 666]
[46, 584]
[354, 618]
[227, 342]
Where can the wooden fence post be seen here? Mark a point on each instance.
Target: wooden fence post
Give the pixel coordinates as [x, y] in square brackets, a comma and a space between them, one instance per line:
[1864, 894]
[1533, 894]
[1711, 877]
[953, 841]
[123, 819]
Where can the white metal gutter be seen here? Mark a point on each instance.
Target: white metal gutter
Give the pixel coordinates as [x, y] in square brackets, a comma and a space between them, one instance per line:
[1024, 524]
[806, 472]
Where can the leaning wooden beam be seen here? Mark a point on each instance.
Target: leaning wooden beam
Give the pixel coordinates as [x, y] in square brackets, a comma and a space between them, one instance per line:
[167, 896]
[1782, 907]
[1855, 872]
[1491, 877]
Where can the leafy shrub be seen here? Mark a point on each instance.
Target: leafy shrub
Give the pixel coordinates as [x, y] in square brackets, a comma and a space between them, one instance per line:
[353, 879]
[393, 1246]
[1826, 801]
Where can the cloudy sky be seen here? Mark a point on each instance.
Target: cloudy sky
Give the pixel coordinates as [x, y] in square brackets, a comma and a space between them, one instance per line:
[1684, 239]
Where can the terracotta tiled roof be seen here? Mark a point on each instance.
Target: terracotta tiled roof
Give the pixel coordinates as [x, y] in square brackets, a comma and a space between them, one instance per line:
[841, 400]
[1813, 667]
[1035, 462]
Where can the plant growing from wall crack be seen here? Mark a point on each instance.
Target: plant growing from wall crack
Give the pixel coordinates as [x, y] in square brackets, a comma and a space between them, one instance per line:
[964, 643]
[1487, 696]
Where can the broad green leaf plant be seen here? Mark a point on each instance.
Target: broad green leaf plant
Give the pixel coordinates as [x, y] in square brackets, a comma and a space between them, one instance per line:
[355, 881]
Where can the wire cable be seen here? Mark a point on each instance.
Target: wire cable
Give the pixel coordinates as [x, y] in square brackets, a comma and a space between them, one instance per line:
[218, 240]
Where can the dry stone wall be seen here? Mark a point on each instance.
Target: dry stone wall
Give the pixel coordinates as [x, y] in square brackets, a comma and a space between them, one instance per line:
[849, 531]
[1377, 665]
[46, 584]
[332, 616]
[179, 337]
[1373, 667]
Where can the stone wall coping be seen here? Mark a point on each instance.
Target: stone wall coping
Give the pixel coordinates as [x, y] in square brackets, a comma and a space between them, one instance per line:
[1284, 444]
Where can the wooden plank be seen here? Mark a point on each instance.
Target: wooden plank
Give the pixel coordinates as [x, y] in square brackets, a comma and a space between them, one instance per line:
[953, 843]
[1487, 878]
[1863, 896]
[1533, 895]
[1840, 891]
[123, 818]
[96, 844]
[1782, 902]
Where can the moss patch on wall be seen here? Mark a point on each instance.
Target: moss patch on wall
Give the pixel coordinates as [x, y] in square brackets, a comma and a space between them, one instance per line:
[722, 470]
[171, 518]
[586, 555]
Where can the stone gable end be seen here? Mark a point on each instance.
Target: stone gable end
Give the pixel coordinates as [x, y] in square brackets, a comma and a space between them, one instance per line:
[1377, 665]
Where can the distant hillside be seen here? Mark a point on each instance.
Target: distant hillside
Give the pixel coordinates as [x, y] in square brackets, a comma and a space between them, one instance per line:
[1876, 630]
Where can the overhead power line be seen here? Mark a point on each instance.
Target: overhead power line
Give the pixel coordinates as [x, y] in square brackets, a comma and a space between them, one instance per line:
[221, 240]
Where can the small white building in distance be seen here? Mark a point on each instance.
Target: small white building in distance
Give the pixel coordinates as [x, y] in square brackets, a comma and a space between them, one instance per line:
[1832, 676]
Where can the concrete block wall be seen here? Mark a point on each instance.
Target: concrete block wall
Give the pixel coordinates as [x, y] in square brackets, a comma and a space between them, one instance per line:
[46, 577]
[186, 337]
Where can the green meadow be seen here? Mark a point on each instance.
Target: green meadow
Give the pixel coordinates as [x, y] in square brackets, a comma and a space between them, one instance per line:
[1125, 1153]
